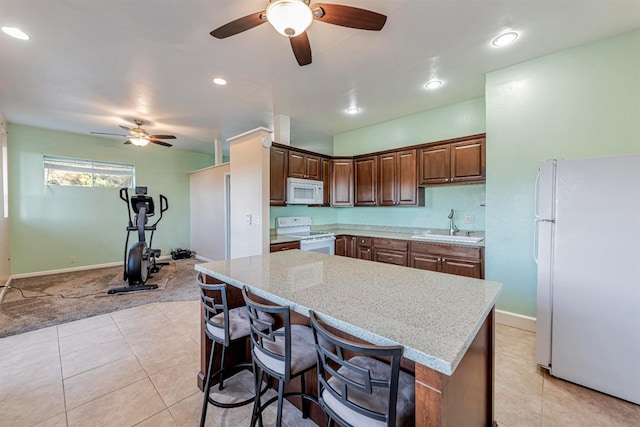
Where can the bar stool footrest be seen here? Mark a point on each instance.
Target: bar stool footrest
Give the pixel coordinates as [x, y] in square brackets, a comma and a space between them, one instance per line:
[237, 368]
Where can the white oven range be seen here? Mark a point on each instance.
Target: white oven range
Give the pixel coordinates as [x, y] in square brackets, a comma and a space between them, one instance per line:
[300, 227]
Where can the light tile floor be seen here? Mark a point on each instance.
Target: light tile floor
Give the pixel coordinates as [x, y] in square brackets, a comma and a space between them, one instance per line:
[137, 367]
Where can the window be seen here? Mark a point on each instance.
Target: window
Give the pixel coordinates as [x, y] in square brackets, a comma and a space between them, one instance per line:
[87, 173]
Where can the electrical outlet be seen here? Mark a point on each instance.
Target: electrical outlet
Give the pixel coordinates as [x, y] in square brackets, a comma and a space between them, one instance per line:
[72, 260]
[470, 219]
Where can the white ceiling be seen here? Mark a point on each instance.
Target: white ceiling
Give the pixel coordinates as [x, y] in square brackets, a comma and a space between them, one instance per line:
[92, 65]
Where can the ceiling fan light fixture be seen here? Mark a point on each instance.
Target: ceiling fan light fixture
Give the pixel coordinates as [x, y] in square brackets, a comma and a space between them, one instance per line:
[289, 17]
[139, 141]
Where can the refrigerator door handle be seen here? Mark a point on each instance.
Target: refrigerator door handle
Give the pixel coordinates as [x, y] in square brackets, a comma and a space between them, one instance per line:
[536, 192]
[535, 240]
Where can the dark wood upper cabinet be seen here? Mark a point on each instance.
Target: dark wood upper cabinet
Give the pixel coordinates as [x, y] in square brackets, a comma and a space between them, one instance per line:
[468, 161]
[387, 179]
[365, 180]
[302, 165]
[278, 176]
[397, 179]
[408, 193]
[342, 182]
[458, 162]
[435, 165]
[325, 167]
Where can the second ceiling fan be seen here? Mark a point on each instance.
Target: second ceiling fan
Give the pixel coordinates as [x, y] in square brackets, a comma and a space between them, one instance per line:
[291, 18]
[139, 136]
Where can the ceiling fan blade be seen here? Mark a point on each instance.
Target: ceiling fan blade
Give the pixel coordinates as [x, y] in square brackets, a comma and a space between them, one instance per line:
[103, 133]
[162, 136]
[301, 48]
[155, 141]
[352, 17]
[126, 128]
[127, 142]
[239, 25]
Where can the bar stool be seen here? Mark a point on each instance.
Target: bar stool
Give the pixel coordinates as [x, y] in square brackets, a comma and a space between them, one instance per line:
[363, 391]
[224, 327]
[282, 354]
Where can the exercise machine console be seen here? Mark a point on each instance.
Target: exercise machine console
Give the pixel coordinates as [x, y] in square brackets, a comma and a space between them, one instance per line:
[140, 259]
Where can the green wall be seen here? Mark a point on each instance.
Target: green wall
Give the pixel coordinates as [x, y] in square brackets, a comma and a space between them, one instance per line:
[580, 102]
[49, 225]
[451, 121]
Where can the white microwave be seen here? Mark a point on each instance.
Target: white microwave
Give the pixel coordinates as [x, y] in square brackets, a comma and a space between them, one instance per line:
[304, 191]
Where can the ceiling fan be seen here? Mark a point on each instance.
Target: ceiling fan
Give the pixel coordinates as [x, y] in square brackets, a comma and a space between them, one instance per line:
[291, 18]
[140, 137]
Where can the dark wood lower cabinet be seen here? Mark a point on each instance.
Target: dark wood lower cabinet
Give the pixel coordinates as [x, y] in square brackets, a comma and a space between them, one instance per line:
[363, 248]
[460, 260]
[462, 267]
[277, 247]
[390, 257]
[424, 262]
[345, 246]
[390, 251]
[445, 258]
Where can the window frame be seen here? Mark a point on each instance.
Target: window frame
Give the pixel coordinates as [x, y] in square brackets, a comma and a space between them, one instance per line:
[87, 166]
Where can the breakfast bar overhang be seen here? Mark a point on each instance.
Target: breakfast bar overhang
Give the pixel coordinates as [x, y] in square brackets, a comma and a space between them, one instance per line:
[444, 322]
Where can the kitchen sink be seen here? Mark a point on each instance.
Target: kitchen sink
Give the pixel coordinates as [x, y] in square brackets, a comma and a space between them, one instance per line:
[447, 238]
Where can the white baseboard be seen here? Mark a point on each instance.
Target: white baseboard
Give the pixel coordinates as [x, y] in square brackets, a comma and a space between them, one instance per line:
[205, 259]
[516, 320]
[81, 268]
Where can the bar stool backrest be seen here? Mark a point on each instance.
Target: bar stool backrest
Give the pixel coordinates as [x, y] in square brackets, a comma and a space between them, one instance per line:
[263, 334]
[350, 384]
[213, 308]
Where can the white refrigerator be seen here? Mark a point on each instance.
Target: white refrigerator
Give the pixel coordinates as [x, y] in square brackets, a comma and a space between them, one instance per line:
[587, 247]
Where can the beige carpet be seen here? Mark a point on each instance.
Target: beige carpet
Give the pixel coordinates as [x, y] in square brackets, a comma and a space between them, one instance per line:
[38, 302]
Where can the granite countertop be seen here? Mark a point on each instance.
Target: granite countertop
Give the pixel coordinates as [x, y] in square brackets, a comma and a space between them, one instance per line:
[401, 233]
[434, 316]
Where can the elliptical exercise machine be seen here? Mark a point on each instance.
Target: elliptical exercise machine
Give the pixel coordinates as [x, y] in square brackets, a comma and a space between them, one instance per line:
[140, 261]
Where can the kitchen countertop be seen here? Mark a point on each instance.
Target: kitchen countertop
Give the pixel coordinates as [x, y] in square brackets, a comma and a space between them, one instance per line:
[434, 316]
[401, 233]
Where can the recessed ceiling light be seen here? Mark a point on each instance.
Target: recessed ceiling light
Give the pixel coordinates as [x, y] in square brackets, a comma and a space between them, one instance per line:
[352, 110]
[220, 81]
[433, 84]
[16, 33]
[505, 39]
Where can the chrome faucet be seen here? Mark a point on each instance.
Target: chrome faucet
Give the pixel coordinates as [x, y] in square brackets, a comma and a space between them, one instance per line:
[452, 227]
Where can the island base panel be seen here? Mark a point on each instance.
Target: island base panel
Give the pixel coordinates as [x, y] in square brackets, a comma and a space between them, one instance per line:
[465, 398]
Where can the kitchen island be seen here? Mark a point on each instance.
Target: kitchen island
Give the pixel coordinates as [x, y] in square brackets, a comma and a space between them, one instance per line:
[444, 322]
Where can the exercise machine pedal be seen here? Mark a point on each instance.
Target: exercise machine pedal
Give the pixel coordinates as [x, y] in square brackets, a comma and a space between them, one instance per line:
[123, 289]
